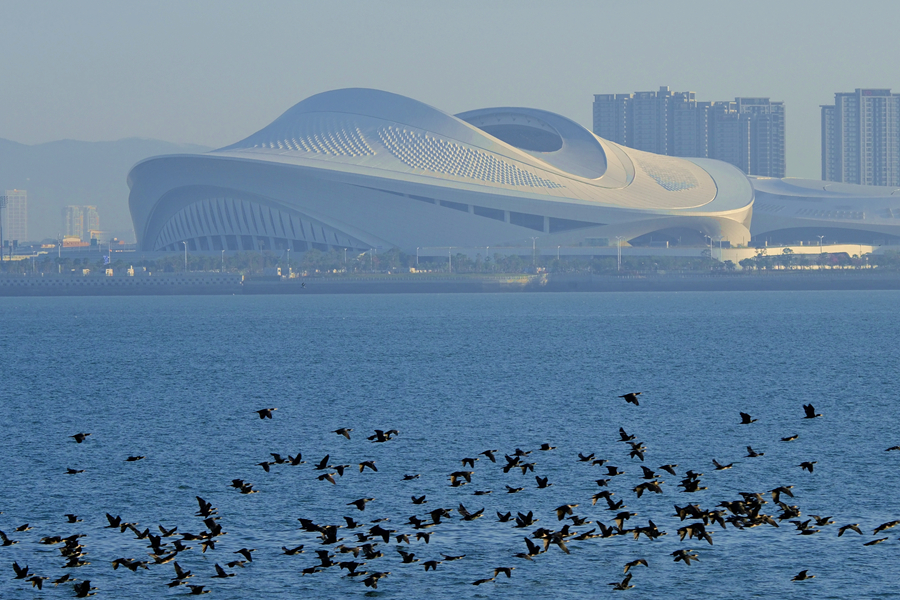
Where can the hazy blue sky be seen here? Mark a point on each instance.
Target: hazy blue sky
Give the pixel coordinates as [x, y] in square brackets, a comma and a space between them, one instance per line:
[212, 72]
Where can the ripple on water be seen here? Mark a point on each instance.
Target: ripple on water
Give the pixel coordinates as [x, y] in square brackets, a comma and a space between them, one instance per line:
[178, 379]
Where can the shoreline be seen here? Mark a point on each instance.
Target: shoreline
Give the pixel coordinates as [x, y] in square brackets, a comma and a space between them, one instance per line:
[231, 284]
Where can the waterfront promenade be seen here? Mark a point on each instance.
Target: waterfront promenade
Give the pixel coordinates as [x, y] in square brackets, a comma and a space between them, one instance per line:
[230, 283]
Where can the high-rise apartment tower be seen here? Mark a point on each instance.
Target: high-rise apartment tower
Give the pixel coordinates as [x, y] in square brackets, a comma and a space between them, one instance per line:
[861, 138]
[748, 133]
[81, 222]
[15, 222]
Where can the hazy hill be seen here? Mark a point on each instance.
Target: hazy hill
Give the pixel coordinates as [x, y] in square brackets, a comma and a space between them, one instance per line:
[71, 172]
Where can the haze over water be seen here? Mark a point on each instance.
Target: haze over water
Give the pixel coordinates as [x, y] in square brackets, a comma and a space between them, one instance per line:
[178, 380]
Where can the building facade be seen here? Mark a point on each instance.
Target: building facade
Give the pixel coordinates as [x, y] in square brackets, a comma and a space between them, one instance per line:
[91, 223]
[362, 169]
[861, 138]
[73, 222]
[82, 222]
[748, 133]
[15, 222]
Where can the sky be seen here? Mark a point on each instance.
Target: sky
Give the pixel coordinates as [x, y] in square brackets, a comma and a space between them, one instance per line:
[212, 72]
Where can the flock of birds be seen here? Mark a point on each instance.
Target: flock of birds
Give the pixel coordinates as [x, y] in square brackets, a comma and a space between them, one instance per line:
[370, 550]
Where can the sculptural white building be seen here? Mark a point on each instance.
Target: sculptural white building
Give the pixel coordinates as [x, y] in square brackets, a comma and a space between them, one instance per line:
[360, 169]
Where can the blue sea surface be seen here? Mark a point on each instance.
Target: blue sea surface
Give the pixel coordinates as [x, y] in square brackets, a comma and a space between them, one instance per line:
[177, 380]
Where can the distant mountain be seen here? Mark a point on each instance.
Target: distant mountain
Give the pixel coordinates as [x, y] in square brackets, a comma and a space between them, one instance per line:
[65, 172]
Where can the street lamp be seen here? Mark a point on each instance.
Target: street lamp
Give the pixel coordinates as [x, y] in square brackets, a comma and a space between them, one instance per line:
[820, 242]
[289, 261]
[185, 256]
[557, 254]
[2, 206]
[223, 261]
[718, 238]
[417, 256]
[534, 252]
[449, 260]
[619, 252]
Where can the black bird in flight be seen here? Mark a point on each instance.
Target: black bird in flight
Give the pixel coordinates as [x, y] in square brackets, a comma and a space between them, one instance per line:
[383, 436]
[84, 589]
[245, 552]
[21, 572]
[79, 437]
[635, 563]
[622, 585]
[631, 397]
[810, 412]
[746, 419]
[685, 556]
[361, 503]
[265, 413]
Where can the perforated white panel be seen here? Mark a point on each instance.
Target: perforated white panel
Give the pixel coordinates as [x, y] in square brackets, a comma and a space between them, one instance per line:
[669, 174]
[321, 136]
[422, 151]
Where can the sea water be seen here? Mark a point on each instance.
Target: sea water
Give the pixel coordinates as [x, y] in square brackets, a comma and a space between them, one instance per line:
[178, 380]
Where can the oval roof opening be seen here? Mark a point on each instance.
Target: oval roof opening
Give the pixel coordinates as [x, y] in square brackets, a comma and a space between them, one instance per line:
[520, 131]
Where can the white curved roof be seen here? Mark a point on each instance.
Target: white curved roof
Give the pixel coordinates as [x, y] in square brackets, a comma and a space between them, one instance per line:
[791, 203]
[382, 169]
[381, 134]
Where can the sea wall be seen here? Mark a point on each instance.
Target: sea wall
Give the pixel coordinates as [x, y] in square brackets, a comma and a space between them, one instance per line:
[218, 283]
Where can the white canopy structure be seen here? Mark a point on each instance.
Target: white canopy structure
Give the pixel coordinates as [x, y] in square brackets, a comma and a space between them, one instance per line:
[361, 168]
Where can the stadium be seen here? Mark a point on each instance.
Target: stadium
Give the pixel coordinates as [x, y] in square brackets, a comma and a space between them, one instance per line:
[362, 169]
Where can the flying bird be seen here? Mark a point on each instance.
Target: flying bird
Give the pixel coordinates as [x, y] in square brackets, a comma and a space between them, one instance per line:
[810, 412]
[344, 431]
[635, 563]
[265, 413]
[852, 527]
[624, 584]
[361, 503]
[631, 397]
